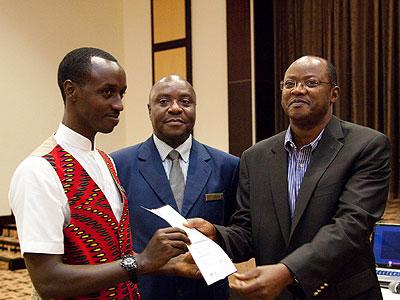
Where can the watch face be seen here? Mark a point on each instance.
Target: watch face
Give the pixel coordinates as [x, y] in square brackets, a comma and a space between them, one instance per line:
[129, 262]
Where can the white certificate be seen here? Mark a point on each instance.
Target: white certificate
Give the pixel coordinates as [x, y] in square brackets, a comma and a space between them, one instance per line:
[213, 263]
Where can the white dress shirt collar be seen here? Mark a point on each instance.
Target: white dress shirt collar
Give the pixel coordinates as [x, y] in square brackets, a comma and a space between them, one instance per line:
[67, 136]
[164, 149]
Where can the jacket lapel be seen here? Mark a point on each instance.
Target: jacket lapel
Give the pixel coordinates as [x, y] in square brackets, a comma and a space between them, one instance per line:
[326, 151]
[198, 174]
[279, 186]
[151, 168]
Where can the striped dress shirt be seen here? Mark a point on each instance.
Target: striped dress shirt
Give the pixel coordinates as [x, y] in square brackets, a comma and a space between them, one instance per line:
[298, 160]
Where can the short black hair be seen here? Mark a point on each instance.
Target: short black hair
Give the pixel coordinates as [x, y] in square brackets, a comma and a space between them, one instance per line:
[75, 66]
[332, 73]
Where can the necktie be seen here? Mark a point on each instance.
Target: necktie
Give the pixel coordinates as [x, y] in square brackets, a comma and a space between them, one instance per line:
[176, 179]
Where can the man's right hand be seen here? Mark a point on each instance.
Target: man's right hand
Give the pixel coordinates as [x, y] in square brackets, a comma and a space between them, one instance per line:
[204, 227]
[165, 244]
[263, 282]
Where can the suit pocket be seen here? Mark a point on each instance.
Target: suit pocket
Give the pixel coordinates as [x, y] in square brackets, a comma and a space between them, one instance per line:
[356, 284]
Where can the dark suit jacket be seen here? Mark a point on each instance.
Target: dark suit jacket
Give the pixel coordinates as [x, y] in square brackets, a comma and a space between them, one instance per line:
[342, 195]
[142, 175]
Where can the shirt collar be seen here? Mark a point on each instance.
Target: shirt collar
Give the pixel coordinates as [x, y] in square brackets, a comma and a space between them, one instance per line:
[164, 149]
[66, 135]
[290, 145]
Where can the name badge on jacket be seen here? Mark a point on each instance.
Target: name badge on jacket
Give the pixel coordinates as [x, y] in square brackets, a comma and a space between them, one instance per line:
[214, 196]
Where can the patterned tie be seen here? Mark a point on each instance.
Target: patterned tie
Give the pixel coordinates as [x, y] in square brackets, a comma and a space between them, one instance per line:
[176, 179]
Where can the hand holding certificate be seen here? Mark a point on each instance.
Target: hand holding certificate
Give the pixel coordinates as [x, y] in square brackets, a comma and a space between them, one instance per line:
[213, 263]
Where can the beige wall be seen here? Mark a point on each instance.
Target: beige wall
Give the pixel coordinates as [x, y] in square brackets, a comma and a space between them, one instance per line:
[37, 34]
[137, 45]
[210, 72]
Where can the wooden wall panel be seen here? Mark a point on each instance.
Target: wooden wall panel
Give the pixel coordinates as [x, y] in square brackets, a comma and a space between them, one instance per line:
[267, 95]
[172, 61]
[171, 38]
[168, 20]
[239, 75]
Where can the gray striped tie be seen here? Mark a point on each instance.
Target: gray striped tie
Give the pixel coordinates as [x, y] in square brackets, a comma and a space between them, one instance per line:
[176, 179]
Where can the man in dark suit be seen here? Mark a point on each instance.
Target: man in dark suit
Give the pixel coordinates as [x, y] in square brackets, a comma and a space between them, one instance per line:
[207, 184]
[308, 199]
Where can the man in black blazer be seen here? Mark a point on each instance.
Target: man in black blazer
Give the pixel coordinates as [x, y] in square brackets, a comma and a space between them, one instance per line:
[308, 199]
[210, 177]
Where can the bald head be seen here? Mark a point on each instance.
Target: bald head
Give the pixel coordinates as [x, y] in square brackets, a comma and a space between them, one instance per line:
[170, 80]
[320, 62]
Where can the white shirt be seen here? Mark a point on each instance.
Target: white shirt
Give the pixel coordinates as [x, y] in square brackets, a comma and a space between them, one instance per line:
[184, 150]
[38, 200]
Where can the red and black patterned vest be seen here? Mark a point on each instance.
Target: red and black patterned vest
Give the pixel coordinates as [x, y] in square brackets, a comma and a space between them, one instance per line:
[93, 235]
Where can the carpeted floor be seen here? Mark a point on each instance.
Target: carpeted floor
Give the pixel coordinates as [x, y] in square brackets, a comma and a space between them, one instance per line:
[16, 285]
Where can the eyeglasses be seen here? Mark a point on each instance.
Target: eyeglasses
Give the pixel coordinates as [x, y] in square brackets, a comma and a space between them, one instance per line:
[290, 84]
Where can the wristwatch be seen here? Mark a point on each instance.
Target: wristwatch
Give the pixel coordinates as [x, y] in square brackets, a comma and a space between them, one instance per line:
[129, 263]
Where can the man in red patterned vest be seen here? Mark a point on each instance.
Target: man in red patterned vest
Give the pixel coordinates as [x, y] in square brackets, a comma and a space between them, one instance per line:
[71, 212]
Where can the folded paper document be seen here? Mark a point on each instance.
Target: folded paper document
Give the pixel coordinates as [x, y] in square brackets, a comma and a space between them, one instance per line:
[213, 263]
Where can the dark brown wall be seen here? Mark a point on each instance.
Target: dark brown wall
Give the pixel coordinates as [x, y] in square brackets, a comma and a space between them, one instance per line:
[239, 75]
[265, 90]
